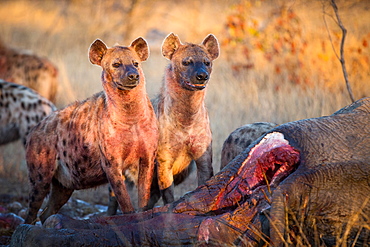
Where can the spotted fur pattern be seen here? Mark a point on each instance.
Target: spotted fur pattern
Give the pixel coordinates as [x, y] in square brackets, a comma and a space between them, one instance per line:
[241, 138]
[99, 140]
[21, 108]
[185, 132]
[27, 69]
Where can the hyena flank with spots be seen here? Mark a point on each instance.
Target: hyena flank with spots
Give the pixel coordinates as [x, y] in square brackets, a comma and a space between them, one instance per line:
[241, 138]
[108, 137]
[21, 108]
[185, 133]
[27, 69]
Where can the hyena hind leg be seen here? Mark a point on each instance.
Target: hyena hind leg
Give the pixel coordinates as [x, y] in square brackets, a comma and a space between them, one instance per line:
[58, 197]
[113, 203]
[35, 202]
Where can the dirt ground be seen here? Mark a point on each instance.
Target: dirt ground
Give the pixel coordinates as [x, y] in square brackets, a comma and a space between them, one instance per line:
[83, 204]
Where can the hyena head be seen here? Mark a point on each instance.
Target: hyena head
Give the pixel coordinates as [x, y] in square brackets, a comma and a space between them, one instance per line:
[121, 65]
[192, 64]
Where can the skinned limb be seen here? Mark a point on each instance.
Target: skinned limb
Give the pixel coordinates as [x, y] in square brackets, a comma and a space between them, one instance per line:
[237, 226]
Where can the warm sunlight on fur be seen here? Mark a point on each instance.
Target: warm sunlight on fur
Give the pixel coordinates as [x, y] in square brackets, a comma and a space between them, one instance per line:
[276, 62]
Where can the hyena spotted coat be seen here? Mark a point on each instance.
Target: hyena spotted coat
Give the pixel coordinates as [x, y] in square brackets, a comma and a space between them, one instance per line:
[185, 132]
[241, 138]
[21, 108]
[101, 139]
[27, 69]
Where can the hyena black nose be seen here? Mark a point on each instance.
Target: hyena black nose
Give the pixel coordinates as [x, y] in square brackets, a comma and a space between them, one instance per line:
[203, 76]
[133, 76]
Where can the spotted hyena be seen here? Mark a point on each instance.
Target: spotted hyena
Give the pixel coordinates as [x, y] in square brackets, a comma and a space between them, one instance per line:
[108, 137]
[241, 138]
[30, 70]
[21, 108]
[185, 132]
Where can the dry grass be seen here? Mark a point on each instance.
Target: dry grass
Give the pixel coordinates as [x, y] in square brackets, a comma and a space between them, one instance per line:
[63, 31]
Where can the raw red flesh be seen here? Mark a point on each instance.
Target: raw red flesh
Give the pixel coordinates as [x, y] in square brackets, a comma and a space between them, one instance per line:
[268, 161]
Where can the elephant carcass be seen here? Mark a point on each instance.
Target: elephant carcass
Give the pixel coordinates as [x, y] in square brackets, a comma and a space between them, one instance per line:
[303, 182]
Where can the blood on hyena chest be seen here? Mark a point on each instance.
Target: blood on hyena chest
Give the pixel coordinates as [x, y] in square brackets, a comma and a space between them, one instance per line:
[128, 145]
[89, 139]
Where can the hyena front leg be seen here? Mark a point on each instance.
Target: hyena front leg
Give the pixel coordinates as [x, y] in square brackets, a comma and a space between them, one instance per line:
[117, 182]
[145, 179]
[204, 166]
[165, 180]
[58, 197]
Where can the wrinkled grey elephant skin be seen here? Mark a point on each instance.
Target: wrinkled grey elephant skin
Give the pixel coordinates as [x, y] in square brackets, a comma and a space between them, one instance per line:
[304, 182]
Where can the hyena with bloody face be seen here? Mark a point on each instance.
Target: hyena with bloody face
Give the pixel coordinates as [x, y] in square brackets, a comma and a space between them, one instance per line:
[21, 108]
[185, 133]
[108, 137]
[27, 69]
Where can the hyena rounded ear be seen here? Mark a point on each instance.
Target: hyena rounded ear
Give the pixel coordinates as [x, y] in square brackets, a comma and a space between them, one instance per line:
[212, 46]
[97, 51]
[141, 48]
[170, 45]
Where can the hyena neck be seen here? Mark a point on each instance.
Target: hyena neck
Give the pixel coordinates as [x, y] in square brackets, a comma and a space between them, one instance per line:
[128, 106]
[181, 104]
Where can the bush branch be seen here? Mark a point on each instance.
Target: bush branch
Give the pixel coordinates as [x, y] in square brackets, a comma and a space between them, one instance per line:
[342, 61]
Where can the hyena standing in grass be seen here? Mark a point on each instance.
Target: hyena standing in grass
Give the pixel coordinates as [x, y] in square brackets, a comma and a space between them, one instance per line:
[241, 138]
[30, 70]
[185, 132]
[21, 108]
[108, 137]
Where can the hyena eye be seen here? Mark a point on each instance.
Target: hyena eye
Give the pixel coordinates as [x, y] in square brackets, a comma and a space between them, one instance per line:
[186, 62]
[116, 65]
[136, 64]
